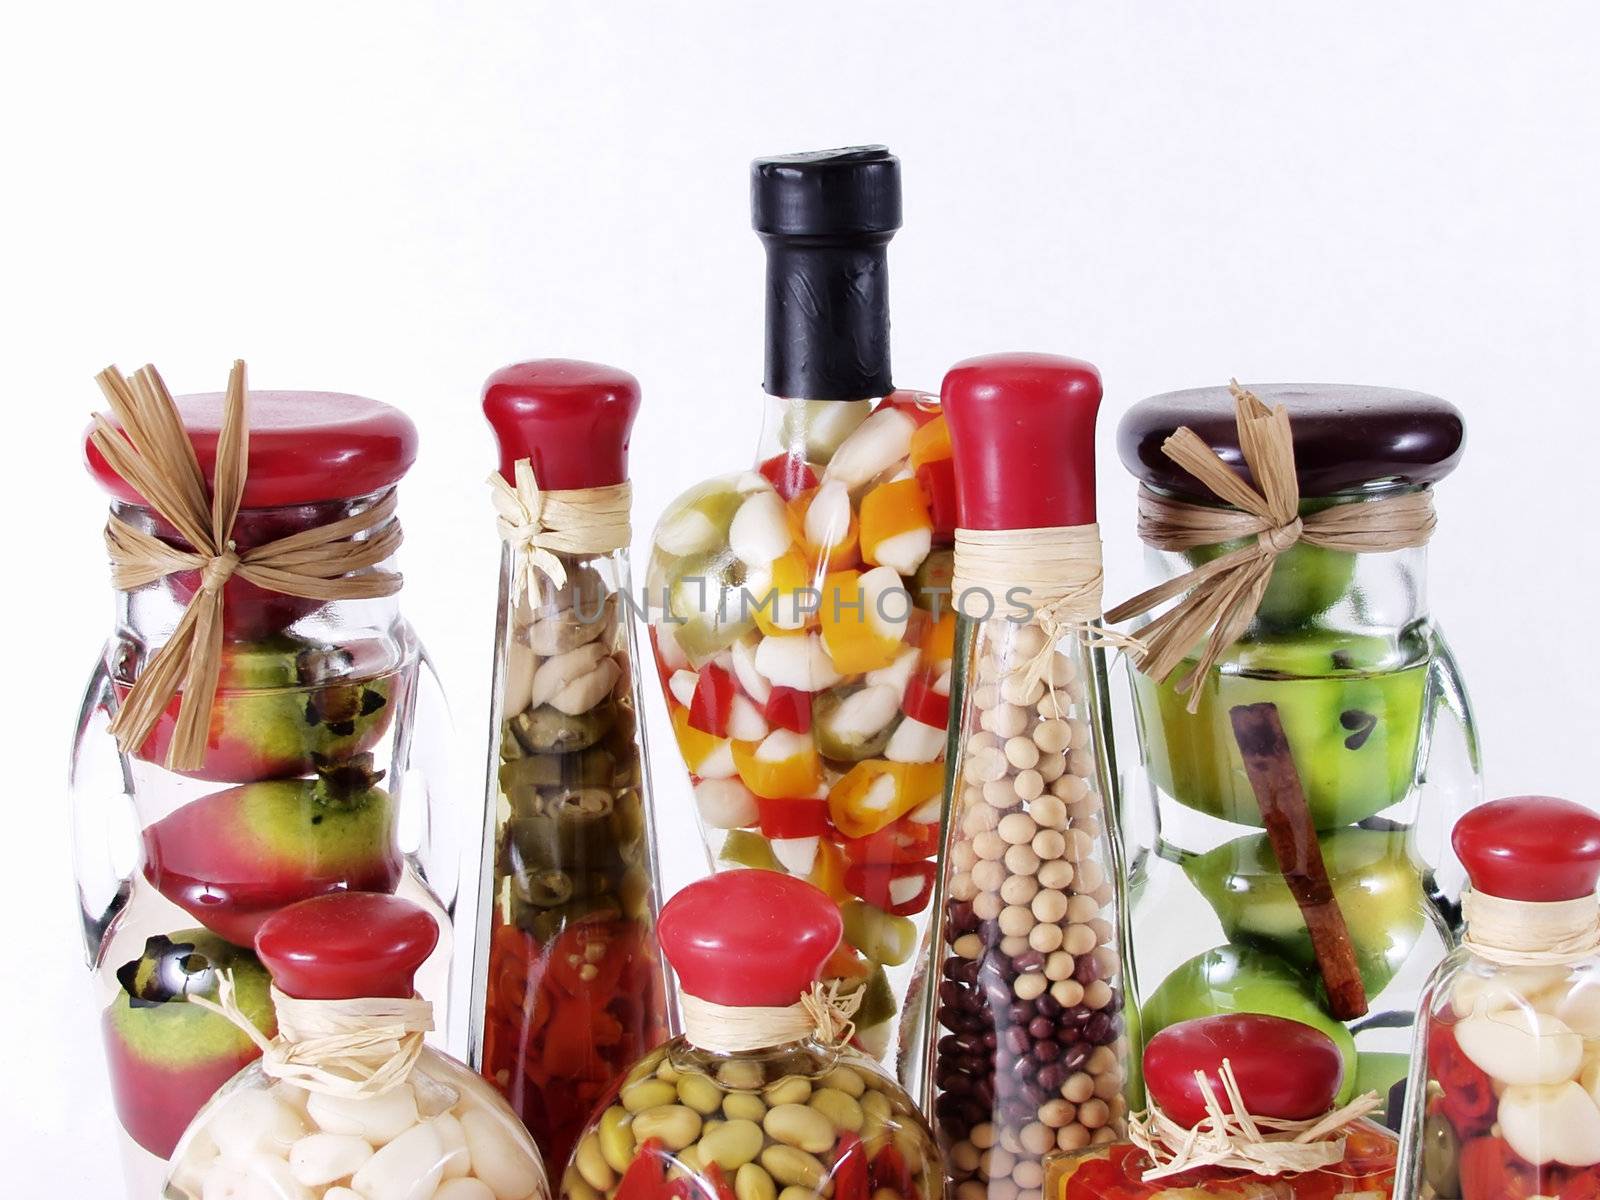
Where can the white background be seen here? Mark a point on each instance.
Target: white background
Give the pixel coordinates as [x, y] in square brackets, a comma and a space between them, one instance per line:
[396, 198]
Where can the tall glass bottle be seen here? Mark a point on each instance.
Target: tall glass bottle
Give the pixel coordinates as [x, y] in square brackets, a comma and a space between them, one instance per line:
[1505, 1075]
[569, 986]
[1029, 1039]
[800, 617]
[1336, 916]
[322, 766]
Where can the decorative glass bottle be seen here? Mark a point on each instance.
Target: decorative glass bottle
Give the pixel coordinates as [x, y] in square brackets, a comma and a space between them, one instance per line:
[1505, 1085]
[1029, 1046]
[800, 610]
[760, 1096]
[570, 988]
[1228, 1117]
[315, 768]
[347, 1103]
[1308, 877]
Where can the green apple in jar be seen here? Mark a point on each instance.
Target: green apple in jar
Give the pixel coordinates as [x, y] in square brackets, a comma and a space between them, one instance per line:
[1351, 707]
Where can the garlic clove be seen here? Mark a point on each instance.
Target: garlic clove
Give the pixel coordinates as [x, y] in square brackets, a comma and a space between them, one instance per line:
[760, 529]
[1507, 987]
[408, 1168]
[252, 1121]
[378, 1119]
[742, 656]
[497, 1159]
[1554, 1123]
[828, 516]
[1520, 1046]
[904, 552]
[322, 1158]
[725, 803]
[877, 444]
[745, 722]
[799, 662]
[798, 855]
[898, 673]
[914, 742]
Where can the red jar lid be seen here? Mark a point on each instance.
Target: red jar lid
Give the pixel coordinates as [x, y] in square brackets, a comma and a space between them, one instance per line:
[1535, 848]
[1256, 1047]
[346, 945]
[304, 447]
[755, 939]
[1022, 431]
[570, 419]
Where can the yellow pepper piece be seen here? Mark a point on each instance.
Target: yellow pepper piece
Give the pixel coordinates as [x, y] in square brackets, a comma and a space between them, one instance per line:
[790, 573]
[891, 509]
[873, 794]
[931, 442]
[854, 640]
[941, 643]
[828, 873]
[798, 772]
[843, 553]
[695, 745]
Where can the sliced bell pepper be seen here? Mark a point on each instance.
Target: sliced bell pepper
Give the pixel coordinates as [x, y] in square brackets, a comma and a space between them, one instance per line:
[850, 1172]
[922, 703]
[695, 746]
[783, 764]
[937, 480]
[889, 510]
[874, 793]
[712, 704]
[720, 1188]
[828, 873]
[646, 1176]
[789, 708]
[900, 889]
[889, 1170]
[940, 642]
[790, 818]
[857, 638]
[790, 573]
[789, 474]
[846, 552]
[902, 841]
[931, 443]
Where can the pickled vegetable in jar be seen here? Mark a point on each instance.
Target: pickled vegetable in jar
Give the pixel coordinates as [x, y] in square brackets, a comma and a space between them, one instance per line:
[572, 989]
[312, 767]
[1029, 1041]
[761, 1097]
[1505, 1094]
[1241, 1105]
[347, 1103]
[1288, 524]
[800, 611]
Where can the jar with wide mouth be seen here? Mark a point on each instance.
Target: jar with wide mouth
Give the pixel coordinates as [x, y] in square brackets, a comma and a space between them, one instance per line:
[569, 988]
[321, 764]
[1327, 901]
[800, 611]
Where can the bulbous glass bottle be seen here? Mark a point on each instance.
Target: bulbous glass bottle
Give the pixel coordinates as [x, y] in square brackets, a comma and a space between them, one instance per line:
[799, 611]
[324, 769]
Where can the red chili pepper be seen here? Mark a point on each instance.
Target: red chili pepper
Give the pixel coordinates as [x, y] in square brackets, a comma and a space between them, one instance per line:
[719, 1182]
[1489, 1172]
[1584, 1185]
[789, 474]
[873, 882]
[850, 1169]
[938, 480]
[787, 818]
[645, 1178]
[1468, 1102]
[922, 703]
[789, 708]
[889, 1170]
[904, 841]
[712, 702]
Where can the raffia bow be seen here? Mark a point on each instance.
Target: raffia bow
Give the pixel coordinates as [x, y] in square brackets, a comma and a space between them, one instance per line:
[538, 524]
[1231, 1138]
[153, 454]
[1220, 598]
[355, 1049]
[822, 1013]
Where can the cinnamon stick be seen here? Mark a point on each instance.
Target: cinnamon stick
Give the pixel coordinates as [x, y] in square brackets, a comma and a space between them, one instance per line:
[1269, 763]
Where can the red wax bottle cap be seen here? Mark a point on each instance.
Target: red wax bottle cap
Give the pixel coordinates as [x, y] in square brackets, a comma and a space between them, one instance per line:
[1257, 1048]
[1022, 432]
[570, 419]
[753, 939]
[304, 447]
[1534, 848]
[347, 945]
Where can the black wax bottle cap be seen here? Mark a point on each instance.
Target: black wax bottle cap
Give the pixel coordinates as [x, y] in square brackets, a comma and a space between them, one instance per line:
[1346, 436]
[826, 219]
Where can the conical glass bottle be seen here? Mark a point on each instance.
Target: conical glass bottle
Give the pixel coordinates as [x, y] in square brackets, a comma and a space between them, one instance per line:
[800, 612]
[1505, 1074]
[347, 1103]
[759, 1097]
[569, 986]
[1029, 1040]
[324, 765]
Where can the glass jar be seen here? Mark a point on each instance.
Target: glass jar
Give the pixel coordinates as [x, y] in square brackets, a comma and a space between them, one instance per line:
[1181, 1151]
[322, 769]
[1030, 1046]
[310, 1125]
[1505, 1086]
[799, 612]
[1345, 648]
[570, 988]
[757, 1099]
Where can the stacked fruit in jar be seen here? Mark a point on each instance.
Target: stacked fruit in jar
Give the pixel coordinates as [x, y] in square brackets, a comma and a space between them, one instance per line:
[296, 794]
[804, 633]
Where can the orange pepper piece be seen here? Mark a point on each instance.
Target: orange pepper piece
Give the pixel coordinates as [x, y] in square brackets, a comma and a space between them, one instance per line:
[843, 553]
[798, 773]
[790, 573]
[874, 794]
[931, 443]
[695, 746]
[891, 509]
[828, 872]
[853, 641]
[941, 642]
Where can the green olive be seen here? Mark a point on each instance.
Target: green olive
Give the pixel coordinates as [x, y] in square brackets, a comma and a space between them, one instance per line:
[1441, 1158]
